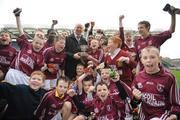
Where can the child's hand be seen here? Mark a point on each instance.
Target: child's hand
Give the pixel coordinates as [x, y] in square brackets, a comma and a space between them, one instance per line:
[44, 68]
[17, 11]
[51, 70]
[71, 92]
[172, 117]
[92, 24]
[100, 66]
[117, 77]
[76, 56]
[121, 17]
[87, 25]
[54, 22]
[134, 71]
[137, 93]
[91, 88]
[89, 57]
[124, 59]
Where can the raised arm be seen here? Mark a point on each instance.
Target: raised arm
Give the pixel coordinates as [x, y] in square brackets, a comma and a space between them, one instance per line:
[121, 17]
[121, 30]
[54, 22]
[172, 11]
[91, 29]
[173, 23]
[17, 12]
[79, 82]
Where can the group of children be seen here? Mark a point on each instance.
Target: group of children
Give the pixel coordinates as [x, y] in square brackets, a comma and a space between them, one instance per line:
[107, 85]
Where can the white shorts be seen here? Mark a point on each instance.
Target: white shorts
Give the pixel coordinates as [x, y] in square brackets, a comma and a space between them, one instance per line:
[14, 76]
[57, 117]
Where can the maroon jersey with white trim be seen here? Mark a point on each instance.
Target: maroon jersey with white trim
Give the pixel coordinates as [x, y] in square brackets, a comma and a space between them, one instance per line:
[47, 45]
[97, 55]
[52, 57]
[84, 97]
[125, 70]
[125, 108]
[7, 54]
[50, 105]
[27, 60]
[153, 40]
[107, 110]
[160, 94]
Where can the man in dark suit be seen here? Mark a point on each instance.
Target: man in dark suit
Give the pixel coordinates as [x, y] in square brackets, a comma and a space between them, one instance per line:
[72, 48]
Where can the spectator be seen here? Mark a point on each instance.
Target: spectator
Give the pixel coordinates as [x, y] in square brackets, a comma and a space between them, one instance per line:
[72, 48]
[29, 57]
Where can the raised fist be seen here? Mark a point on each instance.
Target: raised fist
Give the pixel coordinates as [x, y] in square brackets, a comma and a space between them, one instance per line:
[17, 11]
[54, 22]
[92, 24]
[87, 25]
[121, 17]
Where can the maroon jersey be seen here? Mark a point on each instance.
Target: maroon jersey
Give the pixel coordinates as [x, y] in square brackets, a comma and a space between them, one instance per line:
[124, 70]
[27, 59]
[114, 90]
[52, 57]
[152, 40]
[160, 95]
[7, 54]
[83, 96]
[47, 45]
[50, 105]
[131, 50]
[125, 108]
[124, 46]
[107, 110]
[97, 55]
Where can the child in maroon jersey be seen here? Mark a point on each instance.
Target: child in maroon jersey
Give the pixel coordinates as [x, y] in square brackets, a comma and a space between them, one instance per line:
[127, 43]
[51, 35]
[56, 101]
[79, 70]
[7, 53]
[119, 60]
[95, 52]
[85, 87]
[79, 75]
[54, 58]
[114, 90]
[156, 88]
[104, 106]
[85, 90]
[127, 40]
[29, 57]
[113, 87]
[148, 39]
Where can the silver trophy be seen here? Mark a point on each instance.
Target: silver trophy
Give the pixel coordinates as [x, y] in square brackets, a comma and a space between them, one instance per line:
[83, 54]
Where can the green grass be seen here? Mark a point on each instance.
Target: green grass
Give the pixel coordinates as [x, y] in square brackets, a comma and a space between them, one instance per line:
[177, 74]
